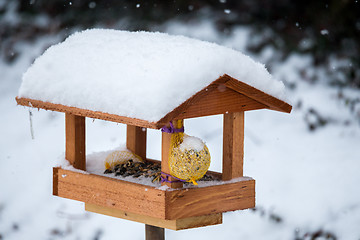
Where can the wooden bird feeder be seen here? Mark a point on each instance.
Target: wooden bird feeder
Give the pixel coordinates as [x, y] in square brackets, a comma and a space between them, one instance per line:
[176, 207]
[131, 79]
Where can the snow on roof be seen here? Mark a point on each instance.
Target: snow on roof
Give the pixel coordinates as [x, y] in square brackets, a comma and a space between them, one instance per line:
[142, 75]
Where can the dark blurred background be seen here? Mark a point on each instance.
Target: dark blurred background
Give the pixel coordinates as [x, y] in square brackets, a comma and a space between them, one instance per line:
[326, 32]
[322, 29]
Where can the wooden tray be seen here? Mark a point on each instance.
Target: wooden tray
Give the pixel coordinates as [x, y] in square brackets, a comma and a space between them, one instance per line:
[169, 208]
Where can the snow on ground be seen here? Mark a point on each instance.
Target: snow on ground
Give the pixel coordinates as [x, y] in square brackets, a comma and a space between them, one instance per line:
[306, 181]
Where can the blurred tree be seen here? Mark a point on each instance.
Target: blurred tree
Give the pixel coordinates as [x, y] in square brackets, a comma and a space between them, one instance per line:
[325, 28]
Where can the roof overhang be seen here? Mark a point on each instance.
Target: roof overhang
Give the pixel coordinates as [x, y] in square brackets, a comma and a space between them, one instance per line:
[226, 94]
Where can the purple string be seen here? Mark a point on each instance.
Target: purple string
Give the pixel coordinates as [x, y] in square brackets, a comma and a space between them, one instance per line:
[166, 179]
[171, 129]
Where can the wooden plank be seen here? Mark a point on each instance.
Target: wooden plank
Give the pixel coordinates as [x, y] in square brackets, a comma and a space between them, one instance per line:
[75, 140]
[184, 203]
[218, 99]
[109, 192]
[213, 99]
[233, 145]
[136, 140]
[178, 224]
[154, 233]
[165, 151]
[256, 94]
[85, 113]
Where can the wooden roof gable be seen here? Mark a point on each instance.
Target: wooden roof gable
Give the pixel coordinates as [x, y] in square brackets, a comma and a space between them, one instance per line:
[225, 94]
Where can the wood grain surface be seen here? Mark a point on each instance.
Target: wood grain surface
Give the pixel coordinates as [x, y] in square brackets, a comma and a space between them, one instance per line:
[136, 140]
[209, 200]
[109, 192]
[75, 140]
[233, 145]
[178, 224]
[165, 153]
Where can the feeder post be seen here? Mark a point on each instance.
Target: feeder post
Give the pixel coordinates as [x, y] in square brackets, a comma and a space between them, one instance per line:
[154, 233]
[233, 145]
[165, 152]
[136, 140]
[75, 140]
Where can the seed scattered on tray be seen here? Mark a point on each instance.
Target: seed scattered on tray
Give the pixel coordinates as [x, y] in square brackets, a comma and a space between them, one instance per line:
[151, 170]
[137, 169]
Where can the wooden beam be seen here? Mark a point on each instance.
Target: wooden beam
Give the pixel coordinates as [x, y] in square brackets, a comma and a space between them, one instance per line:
[233, 145]
[272, 102]
[136, 140]
[85, 113]
[165, 152]
[178, 224]
[75, 140]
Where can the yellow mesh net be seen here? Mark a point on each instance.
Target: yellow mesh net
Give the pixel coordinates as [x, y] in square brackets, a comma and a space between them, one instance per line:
[187, 162]
[120, 157]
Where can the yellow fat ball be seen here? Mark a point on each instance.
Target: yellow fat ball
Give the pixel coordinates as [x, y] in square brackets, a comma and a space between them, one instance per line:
[189, 157]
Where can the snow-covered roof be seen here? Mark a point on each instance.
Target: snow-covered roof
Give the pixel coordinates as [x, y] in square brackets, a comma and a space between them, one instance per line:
[138, 75]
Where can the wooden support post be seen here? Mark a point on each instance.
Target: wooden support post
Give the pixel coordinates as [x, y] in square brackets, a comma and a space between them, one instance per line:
[75, 140]
[136, 140]
[233, 145]
[154, 233]
[165, 152]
